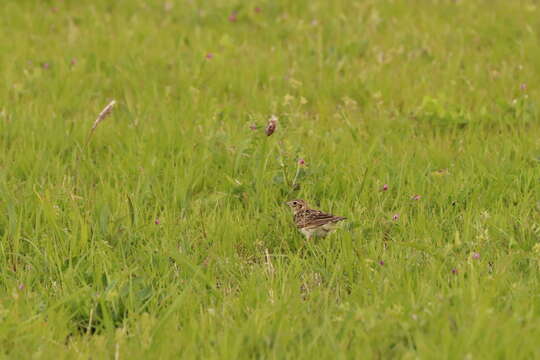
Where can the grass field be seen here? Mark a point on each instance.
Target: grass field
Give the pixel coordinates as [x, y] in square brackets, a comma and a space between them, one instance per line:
[164, 234]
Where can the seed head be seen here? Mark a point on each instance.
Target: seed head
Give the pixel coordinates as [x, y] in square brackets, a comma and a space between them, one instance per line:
[103, 114]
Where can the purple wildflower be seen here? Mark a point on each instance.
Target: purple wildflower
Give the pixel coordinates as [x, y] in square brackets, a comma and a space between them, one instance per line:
[395, 217]
[454, 271]
[301, 162]
[257, 9]
[384, 187]
[381, 263]
[157, 222]
[232, 17]
[416, 197]
[476, 256]
[209, 56]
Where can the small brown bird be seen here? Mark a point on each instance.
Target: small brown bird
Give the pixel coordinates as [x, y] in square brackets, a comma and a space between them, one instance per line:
[312, 223]
[271, 126]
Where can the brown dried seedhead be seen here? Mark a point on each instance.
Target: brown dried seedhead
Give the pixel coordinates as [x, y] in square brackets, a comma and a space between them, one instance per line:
[102, 115]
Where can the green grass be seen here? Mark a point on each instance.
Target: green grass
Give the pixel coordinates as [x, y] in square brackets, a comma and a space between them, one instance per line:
[367, 92]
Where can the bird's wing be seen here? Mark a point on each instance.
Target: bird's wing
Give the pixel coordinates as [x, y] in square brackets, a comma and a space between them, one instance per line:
[315, 218]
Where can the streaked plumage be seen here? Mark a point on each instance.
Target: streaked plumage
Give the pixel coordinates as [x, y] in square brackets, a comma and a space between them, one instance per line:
[311, 222]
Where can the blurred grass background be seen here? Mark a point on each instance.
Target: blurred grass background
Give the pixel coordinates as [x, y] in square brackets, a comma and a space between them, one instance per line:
[165, 235]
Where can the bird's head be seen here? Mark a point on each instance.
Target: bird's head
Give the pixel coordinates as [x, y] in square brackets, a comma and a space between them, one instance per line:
[297, 205]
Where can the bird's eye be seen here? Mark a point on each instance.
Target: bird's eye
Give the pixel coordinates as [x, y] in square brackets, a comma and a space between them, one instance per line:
[295, 202]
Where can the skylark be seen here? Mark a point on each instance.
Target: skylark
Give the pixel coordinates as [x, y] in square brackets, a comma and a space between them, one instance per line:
[312, 223]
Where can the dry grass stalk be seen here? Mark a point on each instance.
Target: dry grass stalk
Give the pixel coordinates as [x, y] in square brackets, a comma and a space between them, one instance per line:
[268, 261]
[102, 116]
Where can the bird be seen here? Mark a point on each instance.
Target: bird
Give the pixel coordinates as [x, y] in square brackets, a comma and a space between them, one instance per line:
[311, 222]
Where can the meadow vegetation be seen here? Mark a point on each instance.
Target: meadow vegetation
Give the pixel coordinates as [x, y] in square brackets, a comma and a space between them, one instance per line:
[164, 233]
